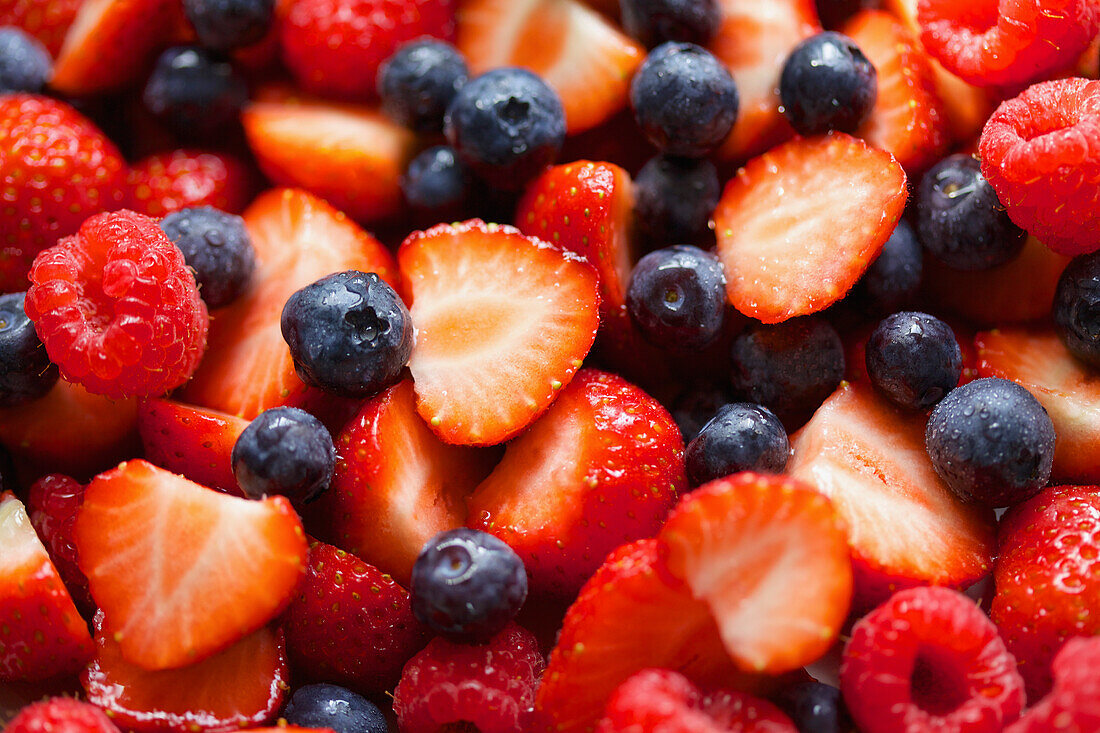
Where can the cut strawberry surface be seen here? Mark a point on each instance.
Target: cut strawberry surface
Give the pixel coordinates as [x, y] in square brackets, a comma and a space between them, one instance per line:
[191, 441]
[798, 225]
[182, 571]
[503, 323]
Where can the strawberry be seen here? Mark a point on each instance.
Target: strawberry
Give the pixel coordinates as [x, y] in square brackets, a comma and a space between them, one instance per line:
[53, 502]
[191, 441]
[602, 467]
[396, 485]
[585, 59]
[298, 238]
[503, 323]
[178, 179]
[171, 598]
[46, 20]
[352, 156]
[62, 715]
[869, 458]
[43, 634]
[798, 225]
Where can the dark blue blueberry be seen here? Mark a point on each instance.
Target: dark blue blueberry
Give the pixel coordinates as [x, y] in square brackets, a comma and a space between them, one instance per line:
[217, 247]
[894, 278]
[914, 359]
[419, 81]
[653, 22]
[815, 707]
[789, 367]
[991, 441]
[284, 451]
[195, 92]
[1077, 308]
[684, 99]
[436, 184]
[674, 200]
[467, 585]
[961, 221]
[695, 406]
[740, 437]
[334, 707]
[827, 84]
[677, 297]
[25, 64]
[227, 24]
[26, 372]
[349, 333]
[506, 125]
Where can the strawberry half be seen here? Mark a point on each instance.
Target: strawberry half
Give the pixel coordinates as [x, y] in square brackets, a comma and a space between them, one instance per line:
[191, 441]
[799, 225]
[182, 571]
[503, 323]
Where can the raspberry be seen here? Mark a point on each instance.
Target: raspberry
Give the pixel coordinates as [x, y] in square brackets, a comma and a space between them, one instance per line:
[61, 715]
[929, 659]
[180, 179]
[1072, 706]
[491, 686]
[117, 307]
[1005, 42]
[1041, 153]
[52, 504]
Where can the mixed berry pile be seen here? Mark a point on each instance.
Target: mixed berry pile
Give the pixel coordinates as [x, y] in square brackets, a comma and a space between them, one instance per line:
[565, 366]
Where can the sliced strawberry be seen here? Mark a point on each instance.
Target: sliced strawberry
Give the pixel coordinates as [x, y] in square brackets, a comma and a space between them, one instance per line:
[396, 485]
[41, 632]
[352, 156]
[237, 688]
[503, 323]
[585, 59]
[191, 441]
[798, 225]
[46, 20]
[181, 571]
[298, 239]
[869, 458]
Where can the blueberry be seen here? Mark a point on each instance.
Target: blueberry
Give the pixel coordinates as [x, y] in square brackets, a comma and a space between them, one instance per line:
[284, 451]
[894, 278]
[960, 220]
[227, 24]
[26, 372]
[913, 359]
[653, 22]
[467, 585]
[674, 199]
[789, 367]
[1077, 308]
[334, 707]
[436, 184]
[815, 707]
[696, 405]
[991, 442]
[348, 333]
[506, 125]
[740, 437]
[419, 81]
[25, 64]
[677, 297]
[217, 247]
[827, 84]
[195, 92]
[684, 99]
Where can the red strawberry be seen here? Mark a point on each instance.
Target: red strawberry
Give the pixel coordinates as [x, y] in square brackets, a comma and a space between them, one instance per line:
[46, 20]
[191, 441]
[503, 323]
[61, 715]
[182, 571]
[179, 179]
[298, 239]
[396, 485]
[601, 468]
[350, 155]
[52, 504]
[585, 59]
[869, 458]
[1071, 706]
[798, 225]
[43, 634]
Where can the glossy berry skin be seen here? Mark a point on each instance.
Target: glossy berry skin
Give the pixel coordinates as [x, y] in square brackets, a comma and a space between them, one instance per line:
[991, 442]
[506, 125]
[224, 25]
[217, 247]
[25, 370]
[284, 451]
[697, 404]
[740, 437]
[913, 359]
[961, 221]
[53, 502]
[1077, 308]
[61, 715]
[24, 62]
[684, 99]
[653, 22]
[436, 184]
[349, 333]
[333, 707]
[815, 707]
[677, 297]
[827, 84]
[419, 81]
[674, 199]
[467, 585]
[195, 93]
[894, 278]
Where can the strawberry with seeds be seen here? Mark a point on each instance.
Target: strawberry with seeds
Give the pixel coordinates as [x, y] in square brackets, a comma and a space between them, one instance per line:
[191, 441]
[46, 20]
[53, 502]
[180, 179]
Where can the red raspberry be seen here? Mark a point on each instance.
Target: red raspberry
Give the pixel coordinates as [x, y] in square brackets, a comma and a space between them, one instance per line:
[61, 715]
[1041, 153]
[52, 504]
[180, 179]
[335, 47]
[1074, 704]
[491, 686]
[118, 308]
[663, 701]
[929, 659]
[1006, 42]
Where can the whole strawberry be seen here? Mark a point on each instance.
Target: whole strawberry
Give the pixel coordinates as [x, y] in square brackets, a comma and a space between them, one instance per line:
[180, 179]
[61, 715]
[46, 20]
